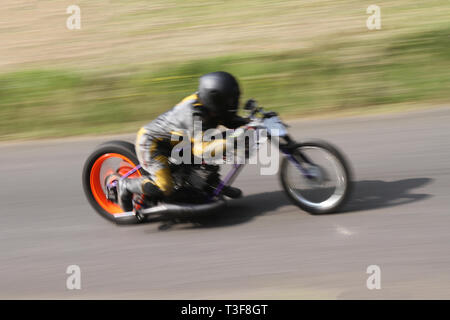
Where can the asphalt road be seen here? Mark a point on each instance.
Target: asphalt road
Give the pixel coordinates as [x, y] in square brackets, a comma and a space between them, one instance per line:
[398, 218]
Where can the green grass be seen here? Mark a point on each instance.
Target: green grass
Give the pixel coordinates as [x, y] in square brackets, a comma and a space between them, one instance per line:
[339, 75]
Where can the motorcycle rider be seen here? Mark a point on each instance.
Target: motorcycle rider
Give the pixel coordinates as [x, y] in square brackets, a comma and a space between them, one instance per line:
[215, 103]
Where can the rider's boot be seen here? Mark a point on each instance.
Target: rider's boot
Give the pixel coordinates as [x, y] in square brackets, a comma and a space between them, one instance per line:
[127, 187]
[232, 192]
[214, 180]
[125, 190]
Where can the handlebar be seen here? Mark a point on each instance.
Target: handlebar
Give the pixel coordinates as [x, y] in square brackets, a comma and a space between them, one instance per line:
[255, 109]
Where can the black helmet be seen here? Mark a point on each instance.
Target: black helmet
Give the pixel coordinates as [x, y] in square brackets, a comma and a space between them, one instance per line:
[219, 93]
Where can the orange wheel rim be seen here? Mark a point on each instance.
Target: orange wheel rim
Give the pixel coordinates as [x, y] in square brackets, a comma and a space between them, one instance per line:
[96, 184]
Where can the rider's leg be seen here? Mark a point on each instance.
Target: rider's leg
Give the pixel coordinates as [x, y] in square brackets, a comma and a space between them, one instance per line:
[153, 155]
[153, 160]
[161, 177]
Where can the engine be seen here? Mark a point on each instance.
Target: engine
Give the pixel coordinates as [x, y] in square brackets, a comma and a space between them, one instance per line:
[194, 182]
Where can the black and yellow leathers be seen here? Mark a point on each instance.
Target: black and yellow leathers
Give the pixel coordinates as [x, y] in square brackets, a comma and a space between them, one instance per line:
[154, 144]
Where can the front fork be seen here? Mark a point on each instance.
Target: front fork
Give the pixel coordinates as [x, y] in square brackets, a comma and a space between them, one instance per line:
[285, 149]
[288, 149]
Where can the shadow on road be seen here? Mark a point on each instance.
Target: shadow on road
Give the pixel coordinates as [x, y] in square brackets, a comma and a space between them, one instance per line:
[374, 194]
[367, 195]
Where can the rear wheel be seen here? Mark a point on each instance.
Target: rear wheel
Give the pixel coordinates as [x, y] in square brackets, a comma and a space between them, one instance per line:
[327, 185]
[109, 158]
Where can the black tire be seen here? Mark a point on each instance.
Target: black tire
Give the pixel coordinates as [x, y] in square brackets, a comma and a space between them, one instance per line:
[121, 147]
[346, 168]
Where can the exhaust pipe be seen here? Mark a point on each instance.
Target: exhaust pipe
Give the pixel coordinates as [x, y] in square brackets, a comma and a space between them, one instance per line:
[170, 210]
[182, 209]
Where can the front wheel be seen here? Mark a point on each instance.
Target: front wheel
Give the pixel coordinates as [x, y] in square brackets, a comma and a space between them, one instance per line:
[316, 177]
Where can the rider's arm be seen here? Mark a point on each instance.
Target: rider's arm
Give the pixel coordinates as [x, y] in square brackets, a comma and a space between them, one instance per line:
[201, 148]
[214, 147]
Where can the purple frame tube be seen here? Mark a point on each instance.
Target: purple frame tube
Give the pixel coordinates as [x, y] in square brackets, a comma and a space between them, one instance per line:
[126, 175]
[230, 176]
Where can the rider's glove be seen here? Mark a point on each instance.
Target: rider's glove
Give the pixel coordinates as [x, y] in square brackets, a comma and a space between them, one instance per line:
[235, 122]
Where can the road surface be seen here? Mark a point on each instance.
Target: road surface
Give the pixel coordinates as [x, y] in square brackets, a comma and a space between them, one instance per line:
[263, 248]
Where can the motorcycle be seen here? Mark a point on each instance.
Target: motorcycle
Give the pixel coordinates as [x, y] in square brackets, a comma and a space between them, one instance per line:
[314, 175]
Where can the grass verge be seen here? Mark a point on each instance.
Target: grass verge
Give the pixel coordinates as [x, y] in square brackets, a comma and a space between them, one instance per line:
[330, 77]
